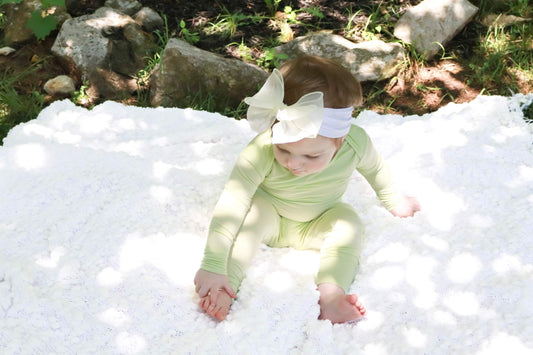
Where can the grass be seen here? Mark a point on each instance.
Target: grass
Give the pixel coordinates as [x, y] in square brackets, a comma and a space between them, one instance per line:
[496, 59]
[15, 107]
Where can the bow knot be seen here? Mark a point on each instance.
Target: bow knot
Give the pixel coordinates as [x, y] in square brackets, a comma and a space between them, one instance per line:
[298, 121]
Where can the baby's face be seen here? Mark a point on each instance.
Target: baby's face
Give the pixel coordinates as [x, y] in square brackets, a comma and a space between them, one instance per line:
[306, 156]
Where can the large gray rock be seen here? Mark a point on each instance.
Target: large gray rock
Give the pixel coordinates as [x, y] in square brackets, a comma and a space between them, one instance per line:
[368, 61]
[129, 7]
[149, 19]
[433, 23]
[16, 30]
[187, 72]
[106, 49]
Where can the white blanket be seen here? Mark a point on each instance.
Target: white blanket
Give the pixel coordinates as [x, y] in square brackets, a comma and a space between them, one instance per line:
[103, 218]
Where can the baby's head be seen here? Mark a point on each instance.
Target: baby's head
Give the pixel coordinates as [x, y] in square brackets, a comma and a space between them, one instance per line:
[308, 104]
[306, 74]
[340, 89]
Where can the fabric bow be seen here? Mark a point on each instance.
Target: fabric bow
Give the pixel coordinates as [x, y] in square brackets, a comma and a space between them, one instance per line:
[298, 121]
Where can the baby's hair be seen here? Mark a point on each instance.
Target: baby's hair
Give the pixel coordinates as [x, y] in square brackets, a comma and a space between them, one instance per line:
[306, 73]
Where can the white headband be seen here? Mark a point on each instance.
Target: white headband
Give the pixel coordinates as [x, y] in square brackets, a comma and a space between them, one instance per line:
[305, 119]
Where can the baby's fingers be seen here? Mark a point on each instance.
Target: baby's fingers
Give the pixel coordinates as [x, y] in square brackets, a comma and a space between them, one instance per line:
[229, 290]
[213, 294]
[202, 291]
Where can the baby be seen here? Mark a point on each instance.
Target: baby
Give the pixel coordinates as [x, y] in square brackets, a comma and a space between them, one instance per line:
[287, 185]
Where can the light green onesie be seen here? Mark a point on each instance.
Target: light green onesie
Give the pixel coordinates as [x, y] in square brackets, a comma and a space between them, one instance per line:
[264, 202]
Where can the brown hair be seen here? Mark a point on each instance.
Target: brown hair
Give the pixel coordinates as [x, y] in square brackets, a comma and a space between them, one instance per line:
[306, 73]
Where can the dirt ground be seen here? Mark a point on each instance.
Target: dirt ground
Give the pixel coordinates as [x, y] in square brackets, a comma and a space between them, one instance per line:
[416, 91]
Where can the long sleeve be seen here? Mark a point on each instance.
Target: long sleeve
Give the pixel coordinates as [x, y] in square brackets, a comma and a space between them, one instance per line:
[376, 171]
[252, 165]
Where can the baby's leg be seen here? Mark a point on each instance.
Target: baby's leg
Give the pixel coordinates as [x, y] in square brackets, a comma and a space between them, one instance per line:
[343, 234]
[261, 221]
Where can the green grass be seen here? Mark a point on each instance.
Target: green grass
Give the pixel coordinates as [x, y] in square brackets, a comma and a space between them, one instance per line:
[15, 107]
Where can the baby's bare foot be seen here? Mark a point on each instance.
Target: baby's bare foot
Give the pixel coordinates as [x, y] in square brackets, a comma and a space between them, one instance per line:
[341, 308]
[220, 308]
[337, 306]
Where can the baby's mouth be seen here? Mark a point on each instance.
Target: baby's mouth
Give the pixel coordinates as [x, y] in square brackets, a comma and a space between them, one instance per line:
[297, 171]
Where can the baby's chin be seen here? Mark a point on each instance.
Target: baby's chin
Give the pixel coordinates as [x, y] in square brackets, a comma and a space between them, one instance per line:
[298, 172]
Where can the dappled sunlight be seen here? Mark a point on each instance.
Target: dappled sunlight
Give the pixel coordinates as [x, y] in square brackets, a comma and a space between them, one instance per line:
[463, 268]
[373, 321]
[393, 252]
[445, 318]
[435, 243]
[415, 337]
[505, 264]
[97, 124]
[503, 343]
[523, 178]
[160, 170]
[420, 273]
[30, 156]
[191, 114]
[442, 208]
[209, 167]
[51, 258]
[293, 261]
[279, 281]
[133, 148]
[109, 277]
[166, 253]
[161, 194]
[388, 277]
[110, 19]
[130, 343]
[462, 303]
[115, 317]
[206, 165]
[504, 134]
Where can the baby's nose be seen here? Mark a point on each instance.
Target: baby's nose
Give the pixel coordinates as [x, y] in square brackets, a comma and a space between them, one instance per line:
[294, 162]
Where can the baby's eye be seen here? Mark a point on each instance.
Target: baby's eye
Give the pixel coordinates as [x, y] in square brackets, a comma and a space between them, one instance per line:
[312, 156]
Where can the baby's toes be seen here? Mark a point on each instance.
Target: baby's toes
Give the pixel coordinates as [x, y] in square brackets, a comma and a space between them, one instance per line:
[221, 314]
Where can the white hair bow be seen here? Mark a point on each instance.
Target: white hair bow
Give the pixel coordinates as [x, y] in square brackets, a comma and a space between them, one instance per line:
[298, 121]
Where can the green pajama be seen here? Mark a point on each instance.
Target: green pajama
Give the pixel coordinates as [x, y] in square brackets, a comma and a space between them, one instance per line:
[264, 202]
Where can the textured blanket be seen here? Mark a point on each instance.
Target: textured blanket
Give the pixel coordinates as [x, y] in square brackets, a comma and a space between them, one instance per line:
[103, 219]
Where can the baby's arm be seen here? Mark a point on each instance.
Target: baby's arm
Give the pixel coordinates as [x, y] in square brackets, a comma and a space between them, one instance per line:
[375, 170]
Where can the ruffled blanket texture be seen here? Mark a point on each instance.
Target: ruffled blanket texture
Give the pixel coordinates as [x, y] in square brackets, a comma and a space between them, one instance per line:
[103, 220]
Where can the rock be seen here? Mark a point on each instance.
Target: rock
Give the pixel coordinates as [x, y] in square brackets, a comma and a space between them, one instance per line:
[89, 45]
[187, 72]
[6, 50]
[129, 7]
[16, 30]
[149, 19]
[61, 84]
[368, 61]
[128, 53]
[432, 22]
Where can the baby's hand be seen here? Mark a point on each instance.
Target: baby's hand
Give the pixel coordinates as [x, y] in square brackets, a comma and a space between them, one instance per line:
[210, 283]
[407, 207]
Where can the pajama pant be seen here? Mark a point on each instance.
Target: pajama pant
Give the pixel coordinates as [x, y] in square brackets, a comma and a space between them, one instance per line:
[338, 233]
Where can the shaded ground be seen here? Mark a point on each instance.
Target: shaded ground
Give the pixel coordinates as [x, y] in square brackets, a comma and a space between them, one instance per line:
[417, 90]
